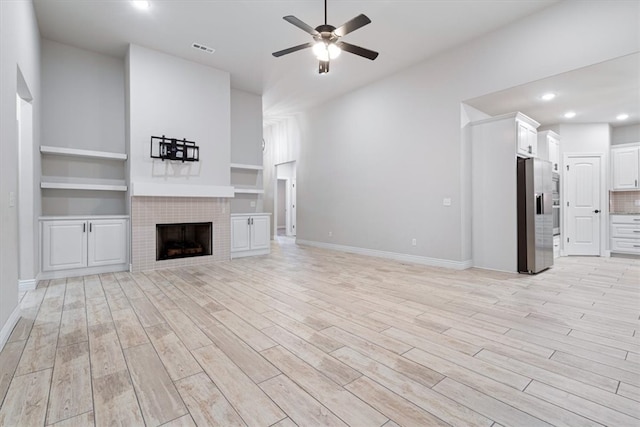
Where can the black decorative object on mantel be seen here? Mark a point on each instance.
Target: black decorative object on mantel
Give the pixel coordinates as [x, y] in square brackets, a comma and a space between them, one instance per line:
[174, 149]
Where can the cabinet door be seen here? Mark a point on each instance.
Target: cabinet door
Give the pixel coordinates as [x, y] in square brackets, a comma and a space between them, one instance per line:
[240, 233]
[107, 240]
[64, 245]
[625, 167]
[260, 238]
[554, 154]
[527, 140]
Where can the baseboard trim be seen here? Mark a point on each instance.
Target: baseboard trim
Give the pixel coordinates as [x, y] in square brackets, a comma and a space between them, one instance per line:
[61, 274]
[415, 259]
[11, 322]
[27, 285]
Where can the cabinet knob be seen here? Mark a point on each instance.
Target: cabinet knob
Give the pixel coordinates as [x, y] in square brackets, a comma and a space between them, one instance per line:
[596, 211]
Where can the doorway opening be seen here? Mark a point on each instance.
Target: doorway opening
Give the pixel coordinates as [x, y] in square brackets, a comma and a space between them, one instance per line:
[27, 237]
[284, 200]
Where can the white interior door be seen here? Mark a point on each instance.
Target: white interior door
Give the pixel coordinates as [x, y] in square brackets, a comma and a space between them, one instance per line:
[583, 206]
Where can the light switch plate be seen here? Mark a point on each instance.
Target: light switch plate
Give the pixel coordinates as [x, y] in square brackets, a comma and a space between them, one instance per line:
[636, 203]
[12, 199]
[446, 201]
[253, 204]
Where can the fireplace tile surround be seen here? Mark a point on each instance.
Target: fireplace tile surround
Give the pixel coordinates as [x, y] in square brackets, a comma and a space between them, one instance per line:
[147, 211]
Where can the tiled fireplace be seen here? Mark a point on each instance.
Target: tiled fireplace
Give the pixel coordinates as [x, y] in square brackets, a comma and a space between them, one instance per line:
[147, 212]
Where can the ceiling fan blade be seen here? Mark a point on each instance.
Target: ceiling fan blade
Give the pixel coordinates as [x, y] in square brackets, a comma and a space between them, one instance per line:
[302, 25]
[292, 49]
[360, 51]
[357, 22]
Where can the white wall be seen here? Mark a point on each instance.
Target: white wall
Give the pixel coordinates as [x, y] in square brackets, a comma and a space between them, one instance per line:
[585, 138]
[376, 164]
[590, 139]
[179, 99]
[19, 48]
[246, 148]
[625, 134]
[83, 106]
[246, 128]
[82, 98]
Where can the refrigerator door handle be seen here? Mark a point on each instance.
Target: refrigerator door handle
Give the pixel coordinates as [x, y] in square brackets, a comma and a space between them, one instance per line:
[539, 204]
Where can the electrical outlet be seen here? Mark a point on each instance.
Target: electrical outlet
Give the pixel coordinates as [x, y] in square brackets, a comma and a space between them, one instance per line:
[253, 204]
[331, 234]
[12, 199]
[446, 201]
[636, 203]
[414, 242]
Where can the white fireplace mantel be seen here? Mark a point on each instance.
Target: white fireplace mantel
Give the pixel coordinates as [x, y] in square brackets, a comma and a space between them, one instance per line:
[154, 189]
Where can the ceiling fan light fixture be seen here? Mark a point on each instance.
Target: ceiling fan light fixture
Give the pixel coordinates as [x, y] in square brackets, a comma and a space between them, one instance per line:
[326, 51]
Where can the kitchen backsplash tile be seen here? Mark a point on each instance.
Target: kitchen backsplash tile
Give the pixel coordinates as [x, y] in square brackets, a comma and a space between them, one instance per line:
[624, 202]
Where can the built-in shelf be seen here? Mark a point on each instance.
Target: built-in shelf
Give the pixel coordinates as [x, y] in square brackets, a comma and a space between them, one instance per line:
[74, 152]
[64, 183]
[246, 167]
[244, 190]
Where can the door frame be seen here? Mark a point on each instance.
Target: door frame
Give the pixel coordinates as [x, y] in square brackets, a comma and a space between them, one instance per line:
[604, 200]
[290, 219]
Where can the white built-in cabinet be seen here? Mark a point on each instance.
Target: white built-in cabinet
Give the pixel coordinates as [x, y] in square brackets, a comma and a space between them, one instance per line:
[549, 148]
[74, 246]
[527, 137]
[250, 234]
[625, 167]
[625, 234]
[495, 145]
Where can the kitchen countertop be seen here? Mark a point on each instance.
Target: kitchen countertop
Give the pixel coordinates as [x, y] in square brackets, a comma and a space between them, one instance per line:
[624, 213]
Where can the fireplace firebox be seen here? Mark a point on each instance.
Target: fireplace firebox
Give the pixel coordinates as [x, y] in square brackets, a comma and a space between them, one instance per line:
[183, 240]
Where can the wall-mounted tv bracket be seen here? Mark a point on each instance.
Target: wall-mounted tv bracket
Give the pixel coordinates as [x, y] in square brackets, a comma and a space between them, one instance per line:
[174, 149]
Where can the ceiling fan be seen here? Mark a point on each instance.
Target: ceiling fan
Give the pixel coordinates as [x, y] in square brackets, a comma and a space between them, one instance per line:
[326, 42]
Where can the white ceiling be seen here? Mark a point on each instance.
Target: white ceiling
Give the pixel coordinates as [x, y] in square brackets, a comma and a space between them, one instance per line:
[597, 94]
[245, 33]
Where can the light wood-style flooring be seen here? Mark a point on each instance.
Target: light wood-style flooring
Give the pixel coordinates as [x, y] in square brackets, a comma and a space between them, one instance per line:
[312, 337]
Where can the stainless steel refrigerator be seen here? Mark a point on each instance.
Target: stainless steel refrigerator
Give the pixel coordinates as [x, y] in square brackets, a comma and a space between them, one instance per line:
[535, 215]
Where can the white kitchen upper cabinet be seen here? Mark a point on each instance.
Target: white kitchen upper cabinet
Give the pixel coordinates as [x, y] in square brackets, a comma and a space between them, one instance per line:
[250, 234]
[549, 148]
[527, 139]
[107, 242]
[64, 245]
[625, 167]
[554, 154]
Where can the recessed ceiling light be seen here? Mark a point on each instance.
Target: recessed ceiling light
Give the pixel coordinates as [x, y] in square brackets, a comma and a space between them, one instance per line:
[570, 114]
[622, 116]
[141, 4]
[548, 96]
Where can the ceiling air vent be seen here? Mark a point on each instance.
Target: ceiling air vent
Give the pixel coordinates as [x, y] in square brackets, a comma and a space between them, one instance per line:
[203, 48]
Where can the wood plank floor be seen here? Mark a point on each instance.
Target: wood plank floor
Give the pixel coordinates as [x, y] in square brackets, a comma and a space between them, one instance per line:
[312, 337]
